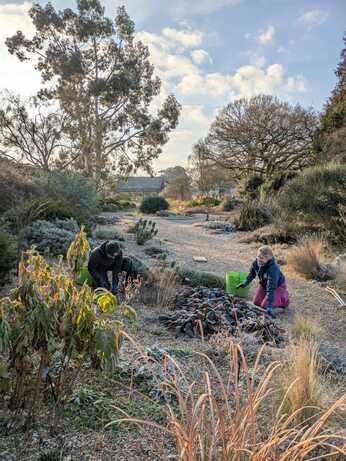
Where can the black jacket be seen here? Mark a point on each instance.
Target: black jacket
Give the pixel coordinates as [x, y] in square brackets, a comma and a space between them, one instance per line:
[270, 277]
[100, 262]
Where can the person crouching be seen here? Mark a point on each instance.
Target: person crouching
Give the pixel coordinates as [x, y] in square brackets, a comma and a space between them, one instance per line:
[272, 289]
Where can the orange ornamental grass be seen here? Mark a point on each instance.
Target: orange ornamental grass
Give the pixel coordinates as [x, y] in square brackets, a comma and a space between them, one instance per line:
[224, 419]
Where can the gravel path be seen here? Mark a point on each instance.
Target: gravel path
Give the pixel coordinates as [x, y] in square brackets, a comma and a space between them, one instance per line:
[225, 252]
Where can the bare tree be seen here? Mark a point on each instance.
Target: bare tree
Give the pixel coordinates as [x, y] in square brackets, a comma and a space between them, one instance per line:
[262, 135]
[207, 174]
[30, 133]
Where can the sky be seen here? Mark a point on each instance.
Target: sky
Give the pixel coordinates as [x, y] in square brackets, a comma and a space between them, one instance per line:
[211, 52]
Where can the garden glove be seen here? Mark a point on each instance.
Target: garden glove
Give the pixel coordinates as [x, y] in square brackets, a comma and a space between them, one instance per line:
[241, 285]
[115, 288]
[270, 312]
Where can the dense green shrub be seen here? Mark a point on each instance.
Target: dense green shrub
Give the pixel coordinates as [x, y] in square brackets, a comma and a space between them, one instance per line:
[249, 188]
[151, 205]
[54, 237]
[16, 184]
[74, 190]
[314, 198]
[114, 204]
[107, 233]
[229, 203]
[252, 216]
[204, 201]
[273, 185]
[8, 254]
[200, 278]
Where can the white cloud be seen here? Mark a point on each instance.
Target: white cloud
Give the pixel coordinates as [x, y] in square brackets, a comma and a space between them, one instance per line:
[247, 81]
[17, 76]
[200, 92]
[200, 56]
[189, 39]
[266, 36]
[193, 124]
[169, 61]
[313, 18]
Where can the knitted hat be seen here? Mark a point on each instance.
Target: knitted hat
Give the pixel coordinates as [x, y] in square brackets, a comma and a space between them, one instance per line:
[112, 248]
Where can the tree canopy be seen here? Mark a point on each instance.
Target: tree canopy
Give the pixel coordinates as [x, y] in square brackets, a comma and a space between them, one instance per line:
[104, 82]
[178, 183]
[261, 135]
[32, 134]
[330, 141]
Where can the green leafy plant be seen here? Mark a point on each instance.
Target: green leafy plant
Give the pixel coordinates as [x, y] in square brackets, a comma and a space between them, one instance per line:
[151, 205]
[145, 231]
[48, 320]
[204, 201]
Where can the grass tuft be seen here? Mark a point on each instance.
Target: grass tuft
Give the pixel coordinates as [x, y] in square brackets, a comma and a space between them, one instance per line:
[301, 388]
[221, 417]
[304, 328]
[306, 258]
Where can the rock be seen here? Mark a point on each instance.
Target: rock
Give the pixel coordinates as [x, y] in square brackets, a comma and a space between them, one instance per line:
[155, 251]
[200, 259]
[164, 214]
[105, 220]
[222, 226]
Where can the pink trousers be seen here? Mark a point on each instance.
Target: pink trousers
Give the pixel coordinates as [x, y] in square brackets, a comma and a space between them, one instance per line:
[281, 298]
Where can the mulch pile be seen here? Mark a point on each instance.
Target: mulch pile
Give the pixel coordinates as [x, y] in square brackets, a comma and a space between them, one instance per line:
[206, 311]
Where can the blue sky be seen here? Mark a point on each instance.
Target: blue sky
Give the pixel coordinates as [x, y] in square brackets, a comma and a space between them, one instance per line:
[209, 52]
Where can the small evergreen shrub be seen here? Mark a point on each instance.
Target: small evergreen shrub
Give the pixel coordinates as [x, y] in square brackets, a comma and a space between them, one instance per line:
[204, 201]
[8, 254]
[200, 278]
[151, 205]
[276, 183]
[229, 204]
[54, 237]
[145, 231]
[16, 184]
[314, 199]
[249, 188]
[107, 233]
[252, 216]
[76, 190]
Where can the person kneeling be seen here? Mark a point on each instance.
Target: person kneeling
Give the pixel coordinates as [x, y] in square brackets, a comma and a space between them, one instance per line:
[272, 289]
[108, 257]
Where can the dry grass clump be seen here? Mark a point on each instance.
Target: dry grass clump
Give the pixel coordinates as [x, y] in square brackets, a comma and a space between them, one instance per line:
[301, 388]
[162, 289]
[340, 279]
[307, 257]
[222, 419]
[221, 341]
[304, 328]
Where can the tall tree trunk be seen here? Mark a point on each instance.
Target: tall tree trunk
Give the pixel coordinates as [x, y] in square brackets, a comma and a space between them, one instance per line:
[98, 127]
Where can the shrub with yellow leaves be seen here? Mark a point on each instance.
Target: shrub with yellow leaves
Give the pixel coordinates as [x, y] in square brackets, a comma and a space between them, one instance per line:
[48, 320]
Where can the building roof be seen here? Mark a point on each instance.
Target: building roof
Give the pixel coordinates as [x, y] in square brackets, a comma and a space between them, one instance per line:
[141, 184]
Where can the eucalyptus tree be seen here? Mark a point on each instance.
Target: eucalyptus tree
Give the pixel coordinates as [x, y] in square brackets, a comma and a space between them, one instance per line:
[103, 80]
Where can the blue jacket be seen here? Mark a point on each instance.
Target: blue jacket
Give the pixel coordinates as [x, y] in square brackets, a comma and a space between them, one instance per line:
[270, 277]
